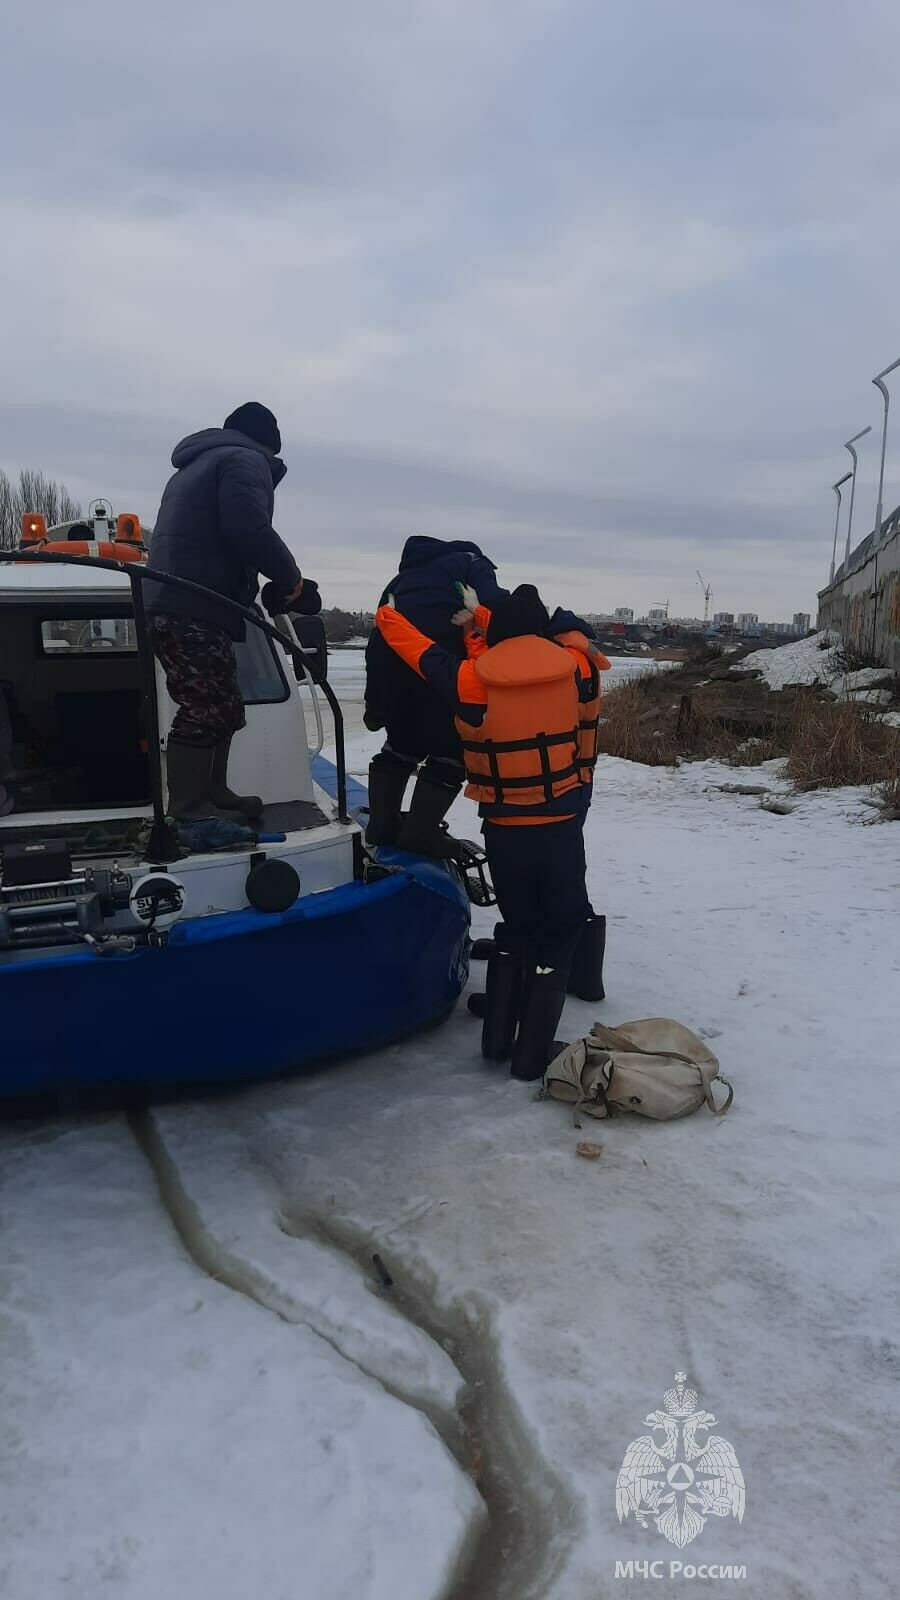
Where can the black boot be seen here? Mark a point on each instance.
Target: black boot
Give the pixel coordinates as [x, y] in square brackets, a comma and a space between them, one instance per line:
[483, 949]
[542, 1004]
[586, 974]
[188, 776]
[387, 786]
[502, 997]
[420, 831]
[246, 805]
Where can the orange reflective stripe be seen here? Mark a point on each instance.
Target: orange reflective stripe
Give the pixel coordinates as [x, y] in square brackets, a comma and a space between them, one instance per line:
[476, 644]
[409, 644]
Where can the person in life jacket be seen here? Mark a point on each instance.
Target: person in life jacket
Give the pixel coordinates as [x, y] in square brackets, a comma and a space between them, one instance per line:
[526, 706]
[421, 736]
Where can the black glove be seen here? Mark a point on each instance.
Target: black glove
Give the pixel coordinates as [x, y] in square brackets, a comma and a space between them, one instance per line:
[307, 604]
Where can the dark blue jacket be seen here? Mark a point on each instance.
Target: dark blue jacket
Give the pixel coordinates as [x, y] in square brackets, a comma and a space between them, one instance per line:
[424, 591]
[215, 527]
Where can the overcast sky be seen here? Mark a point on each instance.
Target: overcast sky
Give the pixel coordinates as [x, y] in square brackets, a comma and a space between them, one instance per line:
[600, 285]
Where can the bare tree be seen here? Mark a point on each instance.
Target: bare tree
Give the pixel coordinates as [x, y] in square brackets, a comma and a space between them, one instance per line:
[33, 492]
[338, 625]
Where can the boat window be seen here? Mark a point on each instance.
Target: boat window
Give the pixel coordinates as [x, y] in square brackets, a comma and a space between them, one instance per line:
[260, 675]
[259, 670]
[82, 636]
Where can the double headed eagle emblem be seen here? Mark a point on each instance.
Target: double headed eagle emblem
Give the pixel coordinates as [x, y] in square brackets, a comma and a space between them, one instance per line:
[675, 1478]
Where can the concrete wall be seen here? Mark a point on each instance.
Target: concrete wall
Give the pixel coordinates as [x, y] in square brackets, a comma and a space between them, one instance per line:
[863, 605]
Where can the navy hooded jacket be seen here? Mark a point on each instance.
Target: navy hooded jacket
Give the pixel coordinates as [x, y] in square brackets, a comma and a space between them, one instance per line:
[424, 591]
[215, 527]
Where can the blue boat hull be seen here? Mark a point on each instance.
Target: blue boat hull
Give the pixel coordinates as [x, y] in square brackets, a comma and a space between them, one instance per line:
[242, 995]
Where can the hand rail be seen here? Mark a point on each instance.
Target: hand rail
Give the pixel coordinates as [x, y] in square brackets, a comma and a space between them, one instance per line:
[307, 650]
[138, 574]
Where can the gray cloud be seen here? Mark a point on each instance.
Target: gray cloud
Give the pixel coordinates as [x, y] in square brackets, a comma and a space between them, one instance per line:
[602, 285]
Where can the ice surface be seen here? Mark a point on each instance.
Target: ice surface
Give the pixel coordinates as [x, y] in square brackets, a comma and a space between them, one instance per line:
[241, 1218]
[166, 1434]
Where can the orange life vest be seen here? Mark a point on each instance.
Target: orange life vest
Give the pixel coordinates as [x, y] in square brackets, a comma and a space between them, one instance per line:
[589, 701]
[526, 753]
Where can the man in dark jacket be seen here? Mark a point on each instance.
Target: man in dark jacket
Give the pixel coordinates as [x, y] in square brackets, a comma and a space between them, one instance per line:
[421, 734]
[214, 528]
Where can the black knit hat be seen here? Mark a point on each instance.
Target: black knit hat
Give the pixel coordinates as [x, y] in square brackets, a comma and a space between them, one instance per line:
[521, 612]
[258, 423]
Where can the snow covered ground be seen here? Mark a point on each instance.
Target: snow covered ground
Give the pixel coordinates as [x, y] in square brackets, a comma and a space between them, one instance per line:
[208, 1394]
[818, 659]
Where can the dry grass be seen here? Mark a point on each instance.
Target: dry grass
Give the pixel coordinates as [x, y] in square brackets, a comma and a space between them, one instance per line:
[849, 658]
[888, 795]
[837, 744]
[665, 718]
[627, 731]
[753, 752]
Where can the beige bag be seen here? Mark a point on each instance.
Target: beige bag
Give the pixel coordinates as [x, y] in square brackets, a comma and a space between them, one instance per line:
[656, 1068]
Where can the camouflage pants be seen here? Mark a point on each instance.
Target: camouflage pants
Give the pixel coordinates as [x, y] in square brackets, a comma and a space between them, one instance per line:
[201, 676]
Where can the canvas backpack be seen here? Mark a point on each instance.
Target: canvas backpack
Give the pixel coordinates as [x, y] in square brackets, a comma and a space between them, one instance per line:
[655, 1068]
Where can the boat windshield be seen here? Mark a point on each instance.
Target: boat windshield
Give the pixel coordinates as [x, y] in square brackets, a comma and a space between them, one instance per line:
[260, 674]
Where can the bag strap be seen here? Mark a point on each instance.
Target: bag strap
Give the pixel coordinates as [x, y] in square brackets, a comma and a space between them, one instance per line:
[599, 1094]
[718, 1111]
[610, 1039]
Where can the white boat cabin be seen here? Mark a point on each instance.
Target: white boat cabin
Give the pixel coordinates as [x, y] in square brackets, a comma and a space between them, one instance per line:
[76, 752]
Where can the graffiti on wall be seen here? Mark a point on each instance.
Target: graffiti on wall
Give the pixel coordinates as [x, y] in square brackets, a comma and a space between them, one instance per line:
[863, 606]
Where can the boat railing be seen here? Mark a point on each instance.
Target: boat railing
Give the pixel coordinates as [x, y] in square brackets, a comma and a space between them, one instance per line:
[161, 846]
[309, 652]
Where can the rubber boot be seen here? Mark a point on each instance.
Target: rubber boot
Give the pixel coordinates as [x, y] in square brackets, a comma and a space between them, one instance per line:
[245, 805]
[542, 1005]
[387, 786]
[502, 998]
[586, 974]
[420, 830]
[483, 949]
[189, 775]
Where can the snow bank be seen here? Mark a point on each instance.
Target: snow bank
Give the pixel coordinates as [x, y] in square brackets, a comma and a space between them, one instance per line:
[812, 660]
[809, 660]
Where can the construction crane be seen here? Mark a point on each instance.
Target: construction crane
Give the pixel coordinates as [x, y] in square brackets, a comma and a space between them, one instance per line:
[707, 595]
[661, 605]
